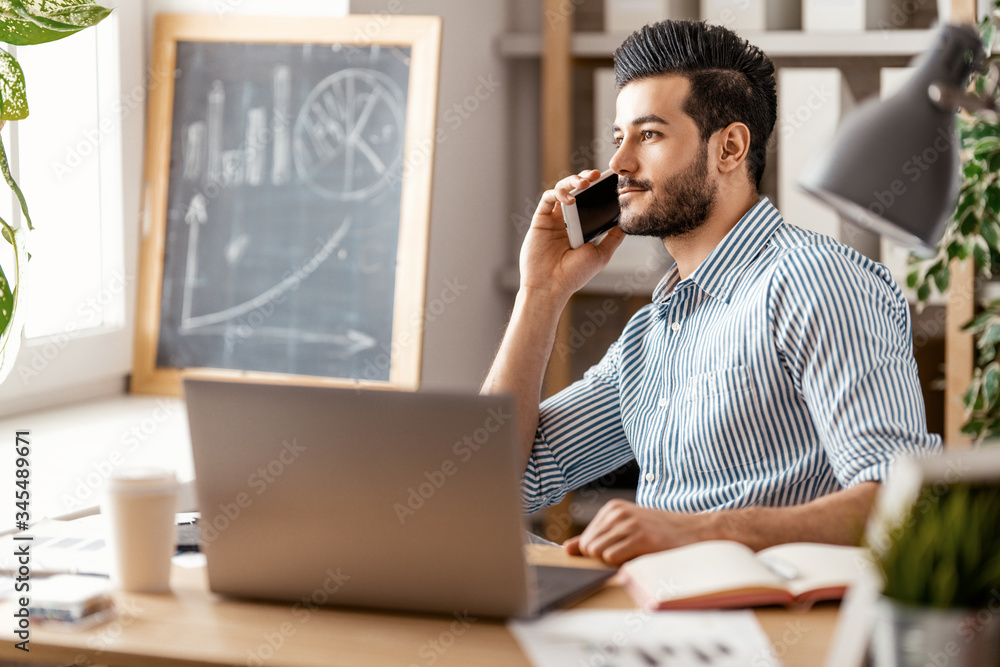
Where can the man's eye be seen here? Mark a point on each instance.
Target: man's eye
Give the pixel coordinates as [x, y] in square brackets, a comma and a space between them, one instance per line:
[648, 134]
[617, 141]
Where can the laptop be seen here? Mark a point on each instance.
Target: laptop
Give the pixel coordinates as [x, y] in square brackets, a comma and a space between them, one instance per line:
[383, 499]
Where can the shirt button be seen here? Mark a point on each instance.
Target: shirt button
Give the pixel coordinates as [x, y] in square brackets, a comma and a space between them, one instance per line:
[676, 326]
[650, 477]
[662, 403]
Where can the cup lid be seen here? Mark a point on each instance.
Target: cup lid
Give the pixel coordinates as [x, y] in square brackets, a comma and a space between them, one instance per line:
[142, 480]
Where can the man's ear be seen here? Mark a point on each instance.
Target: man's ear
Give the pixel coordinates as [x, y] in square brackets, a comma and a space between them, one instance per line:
[734, 146]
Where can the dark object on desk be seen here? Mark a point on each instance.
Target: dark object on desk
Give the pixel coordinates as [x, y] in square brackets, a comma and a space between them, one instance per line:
[187, 537]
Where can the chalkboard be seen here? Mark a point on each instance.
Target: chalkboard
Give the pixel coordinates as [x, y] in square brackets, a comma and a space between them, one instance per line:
[288, 187]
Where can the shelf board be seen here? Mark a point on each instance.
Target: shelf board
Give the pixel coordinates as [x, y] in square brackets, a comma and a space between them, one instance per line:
[776, 43]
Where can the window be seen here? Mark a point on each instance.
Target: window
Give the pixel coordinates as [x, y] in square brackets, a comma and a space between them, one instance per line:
[77, 158]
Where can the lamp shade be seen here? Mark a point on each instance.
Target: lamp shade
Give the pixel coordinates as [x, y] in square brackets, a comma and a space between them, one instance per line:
[893, 165]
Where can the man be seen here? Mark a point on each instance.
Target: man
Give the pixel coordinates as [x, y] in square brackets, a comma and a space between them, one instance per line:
[771, 382]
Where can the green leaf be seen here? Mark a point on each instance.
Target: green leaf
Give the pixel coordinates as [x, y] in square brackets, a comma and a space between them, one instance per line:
[10, 334]
[991, 385]
[12, 93]
[5, 169]
[6, 301]
[924, 292]
[989, 234]
[972, 170]
[981, 256]
[942, 278]
[40, 21]
[978, 321]
[992, 335]
[985, 147]
[62, 15]
[970, 223]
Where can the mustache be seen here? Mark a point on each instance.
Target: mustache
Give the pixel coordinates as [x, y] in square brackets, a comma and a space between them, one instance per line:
[628, 182]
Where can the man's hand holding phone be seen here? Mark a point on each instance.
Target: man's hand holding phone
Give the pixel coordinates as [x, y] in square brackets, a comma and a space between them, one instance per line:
[548, 262]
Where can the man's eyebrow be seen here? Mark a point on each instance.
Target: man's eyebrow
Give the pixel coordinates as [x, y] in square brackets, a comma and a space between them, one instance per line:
[642, 120]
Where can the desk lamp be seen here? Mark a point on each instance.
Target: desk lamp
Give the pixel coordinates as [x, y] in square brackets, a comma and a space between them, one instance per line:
[893, 165]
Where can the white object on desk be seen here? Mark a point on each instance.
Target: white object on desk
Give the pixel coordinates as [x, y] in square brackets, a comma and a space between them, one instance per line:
[627, 638]
[61, 547]
[141, 504]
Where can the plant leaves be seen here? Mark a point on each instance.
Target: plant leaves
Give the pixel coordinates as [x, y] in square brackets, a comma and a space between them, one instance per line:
[6, 301]
[985, 147]
[5, 169]
[12, 92]
[991, 384]
[40, 21]
[942, 278]
[10, 334]
[62, 15]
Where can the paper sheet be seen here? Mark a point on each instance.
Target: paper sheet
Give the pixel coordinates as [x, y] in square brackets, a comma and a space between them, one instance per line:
[635, 638]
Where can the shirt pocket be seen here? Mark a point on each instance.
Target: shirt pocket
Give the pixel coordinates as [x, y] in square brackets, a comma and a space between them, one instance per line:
[718, 431]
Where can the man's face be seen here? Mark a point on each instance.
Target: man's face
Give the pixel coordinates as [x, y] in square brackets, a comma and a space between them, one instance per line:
[664, 186]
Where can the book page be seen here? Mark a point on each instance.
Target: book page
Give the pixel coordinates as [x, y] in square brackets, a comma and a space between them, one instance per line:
[814, 566]
[697, 570]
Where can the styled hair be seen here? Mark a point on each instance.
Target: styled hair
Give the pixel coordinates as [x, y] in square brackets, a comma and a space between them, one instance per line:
[731, 79]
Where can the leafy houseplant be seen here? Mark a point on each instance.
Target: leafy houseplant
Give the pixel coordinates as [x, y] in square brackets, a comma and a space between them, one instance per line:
[23, 23]
[941, 573]
[974, 233]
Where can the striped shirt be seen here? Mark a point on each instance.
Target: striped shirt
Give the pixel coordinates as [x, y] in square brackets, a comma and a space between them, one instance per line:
[780, 370]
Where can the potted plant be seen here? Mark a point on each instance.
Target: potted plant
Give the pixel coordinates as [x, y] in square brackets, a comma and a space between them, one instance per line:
[22, 23]
[941, 574]
[974, 233]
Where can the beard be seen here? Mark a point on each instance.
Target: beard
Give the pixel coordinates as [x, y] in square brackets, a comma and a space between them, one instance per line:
[680, 205]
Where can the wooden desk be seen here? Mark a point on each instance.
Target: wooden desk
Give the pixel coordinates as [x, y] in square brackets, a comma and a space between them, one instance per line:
[194, 627]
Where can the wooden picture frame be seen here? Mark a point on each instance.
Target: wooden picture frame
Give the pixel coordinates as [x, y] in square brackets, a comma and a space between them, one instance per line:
[368, 51]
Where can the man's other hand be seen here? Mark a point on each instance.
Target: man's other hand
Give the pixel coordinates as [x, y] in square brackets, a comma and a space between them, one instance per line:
[622, 530]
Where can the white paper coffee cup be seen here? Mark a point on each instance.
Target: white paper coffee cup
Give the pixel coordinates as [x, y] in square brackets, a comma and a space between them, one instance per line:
[141, 504]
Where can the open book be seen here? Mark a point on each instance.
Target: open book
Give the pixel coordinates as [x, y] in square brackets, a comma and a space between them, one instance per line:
[722, 573]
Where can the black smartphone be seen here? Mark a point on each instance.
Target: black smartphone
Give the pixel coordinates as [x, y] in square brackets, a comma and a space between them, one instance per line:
[595, 210]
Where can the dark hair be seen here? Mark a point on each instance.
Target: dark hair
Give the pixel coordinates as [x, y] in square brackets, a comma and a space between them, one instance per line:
[731, 79]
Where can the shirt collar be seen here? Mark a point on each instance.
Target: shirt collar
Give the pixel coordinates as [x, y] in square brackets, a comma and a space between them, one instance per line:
[718, 273]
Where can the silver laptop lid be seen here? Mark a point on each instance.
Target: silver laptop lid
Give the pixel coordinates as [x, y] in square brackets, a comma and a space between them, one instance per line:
[372, 498]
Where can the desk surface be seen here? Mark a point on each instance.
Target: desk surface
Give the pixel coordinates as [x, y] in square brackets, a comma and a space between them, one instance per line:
[194, 627]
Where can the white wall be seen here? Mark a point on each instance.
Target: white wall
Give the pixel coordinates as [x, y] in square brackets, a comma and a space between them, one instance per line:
[466, 310]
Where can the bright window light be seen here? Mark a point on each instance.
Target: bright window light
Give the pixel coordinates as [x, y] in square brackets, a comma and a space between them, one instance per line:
[57, 155]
